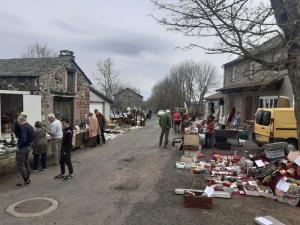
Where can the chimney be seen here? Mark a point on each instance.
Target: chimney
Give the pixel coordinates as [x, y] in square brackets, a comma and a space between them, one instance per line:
[67, 53]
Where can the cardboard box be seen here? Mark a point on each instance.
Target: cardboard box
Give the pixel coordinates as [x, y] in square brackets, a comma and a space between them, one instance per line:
[187, 159]
[188, 153]
[251, 190]
[197, 200]
[292, 156]
[191, 139]
[266, 192]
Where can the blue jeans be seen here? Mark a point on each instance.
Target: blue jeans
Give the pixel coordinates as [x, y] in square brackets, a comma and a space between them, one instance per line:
[36, 159]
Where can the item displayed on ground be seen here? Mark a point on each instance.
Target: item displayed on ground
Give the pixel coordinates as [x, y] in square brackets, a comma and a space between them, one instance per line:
[274, 177]
[8, 145]
[267, 220]
[197, 200]
[215, 194]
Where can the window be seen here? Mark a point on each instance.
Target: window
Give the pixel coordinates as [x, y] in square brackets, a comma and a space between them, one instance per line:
[233, 78]
[263, 118]
[71, 81]
[268, 102]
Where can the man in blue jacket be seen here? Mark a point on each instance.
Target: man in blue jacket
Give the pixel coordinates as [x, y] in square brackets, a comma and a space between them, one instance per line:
[25, 138]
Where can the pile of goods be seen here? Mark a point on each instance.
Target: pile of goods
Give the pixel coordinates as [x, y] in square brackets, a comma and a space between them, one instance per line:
[270, 175]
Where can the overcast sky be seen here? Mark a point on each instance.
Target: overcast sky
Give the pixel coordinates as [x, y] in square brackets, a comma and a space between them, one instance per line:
[142, 50]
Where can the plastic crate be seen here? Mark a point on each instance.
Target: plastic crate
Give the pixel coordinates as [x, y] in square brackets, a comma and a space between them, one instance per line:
[275, 154]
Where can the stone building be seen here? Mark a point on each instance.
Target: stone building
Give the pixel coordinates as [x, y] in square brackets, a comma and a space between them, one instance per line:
[247, 87]
[128, 98]
[39, 86]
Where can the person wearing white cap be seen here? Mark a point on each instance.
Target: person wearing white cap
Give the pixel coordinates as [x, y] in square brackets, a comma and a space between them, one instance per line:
[56, 133]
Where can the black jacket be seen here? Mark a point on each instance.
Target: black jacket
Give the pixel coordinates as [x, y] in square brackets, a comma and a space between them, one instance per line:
[66, 144]
[101, 120]
[25, 135]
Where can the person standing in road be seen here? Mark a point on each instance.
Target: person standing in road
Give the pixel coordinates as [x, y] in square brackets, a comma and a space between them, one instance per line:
[40, 147]
[93, 130]
[165, 122]
[66, 149]
[55, 131]
[177, 121]
[210, 127]
[102, 124]
[25, 138]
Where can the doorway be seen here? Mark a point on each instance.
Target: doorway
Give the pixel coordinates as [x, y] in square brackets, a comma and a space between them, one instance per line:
[64, 108]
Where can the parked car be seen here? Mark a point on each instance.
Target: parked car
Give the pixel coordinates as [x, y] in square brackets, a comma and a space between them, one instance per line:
[275, 125]
[161, 112]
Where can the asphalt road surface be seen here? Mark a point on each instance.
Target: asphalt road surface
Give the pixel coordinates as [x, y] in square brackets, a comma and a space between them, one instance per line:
[130, 181]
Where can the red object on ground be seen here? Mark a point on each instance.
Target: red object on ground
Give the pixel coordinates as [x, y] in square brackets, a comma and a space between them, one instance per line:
[201, 155]
[298, 171]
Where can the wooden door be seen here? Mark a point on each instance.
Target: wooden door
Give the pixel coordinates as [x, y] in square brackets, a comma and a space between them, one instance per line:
[64, 108]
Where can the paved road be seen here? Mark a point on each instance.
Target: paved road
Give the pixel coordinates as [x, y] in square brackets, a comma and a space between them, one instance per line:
[108, 182]
[131, 181]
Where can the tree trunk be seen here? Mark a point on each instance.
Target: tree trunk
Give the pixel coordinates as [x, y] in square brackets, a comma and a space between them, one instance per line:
[294, 75]
[287, 14]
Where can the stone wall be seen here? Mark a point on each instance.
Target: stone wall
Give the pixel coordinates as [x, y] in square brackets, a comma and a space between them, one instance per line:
[19, 84]
[54, 84]
[82, 101]
[126, 99]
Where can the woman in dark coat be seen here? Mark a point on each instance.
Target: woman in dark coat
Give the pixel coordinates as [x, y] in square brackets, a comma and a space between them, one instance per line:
[40, 146]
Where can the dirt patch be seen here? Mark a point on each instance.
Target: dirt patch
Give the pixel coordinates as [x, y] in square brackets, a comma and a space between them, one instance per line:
[33, 206]
[128, 160]
[128, 187]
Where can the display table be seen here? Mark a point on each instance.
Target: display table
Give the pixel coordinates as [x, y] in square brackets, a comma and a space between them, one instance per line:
[78, 139]
[7, 158]
[232, 134]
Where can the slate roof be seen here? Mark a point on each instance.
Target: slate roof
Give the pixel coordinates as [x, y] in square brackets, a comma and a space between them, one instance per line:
[95, 91]
[33, 67]
[127, 89]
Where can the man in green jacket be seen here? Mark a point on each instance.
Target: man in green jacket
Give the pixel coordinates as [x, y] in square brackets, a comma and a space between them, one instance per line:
[165, 124]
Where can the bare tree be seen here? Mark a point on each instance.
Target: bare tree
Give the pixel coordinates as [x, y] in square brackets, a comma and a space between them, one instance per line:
[187, 82]
[39, 51]
[107, 77]
[240, 27]
[206, 79]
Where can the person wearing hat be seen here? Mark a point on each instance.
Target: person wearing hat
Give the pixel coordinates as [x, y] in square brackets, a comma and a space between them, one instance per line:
[56, 133]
